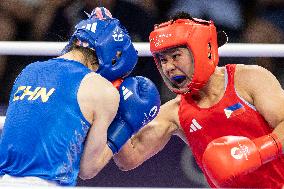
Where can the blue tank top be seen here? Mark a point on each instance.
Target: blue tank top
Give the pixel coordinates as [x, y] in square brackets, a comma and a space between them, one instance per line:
[44, 130]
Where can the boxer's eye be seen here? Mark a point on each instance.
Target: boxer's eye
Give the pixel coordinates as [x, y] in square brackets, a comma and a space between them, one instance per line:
[113, 61]
[118, 55]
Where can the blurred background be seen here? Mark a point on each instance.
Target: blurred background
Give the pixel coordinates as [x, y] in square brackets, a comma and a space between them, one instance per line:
[254, 21]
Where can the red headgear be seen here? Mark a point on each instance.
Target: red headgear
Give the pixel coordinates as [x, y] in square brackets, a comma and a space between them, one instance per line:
[199, 36]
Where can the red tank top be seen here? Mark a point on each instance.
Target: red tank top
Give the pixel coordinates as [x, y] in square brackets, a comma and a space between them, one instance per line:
[232, 115]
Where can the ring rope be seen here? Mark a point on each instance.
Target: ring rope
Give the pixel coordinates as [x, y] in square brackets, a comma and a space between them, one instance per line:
[2, 120]
[31, 48]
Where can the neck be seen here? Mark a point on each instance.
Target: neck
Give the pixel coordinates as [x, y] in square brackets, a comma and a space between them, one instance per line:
[215, 84]
[76, 56]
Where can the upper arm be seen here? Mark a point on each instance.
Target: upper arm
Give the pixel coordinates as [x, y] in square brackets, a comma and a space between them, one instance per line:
[154, 136]
[97, 98]
[99, 101]
[266, 93]
[150, 139]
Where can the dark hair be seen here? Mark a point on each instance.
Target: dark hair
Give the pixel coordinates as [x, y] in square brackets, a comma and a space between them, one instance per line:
[185, 15]
[222, 37]
[89, 54]
[181, 15]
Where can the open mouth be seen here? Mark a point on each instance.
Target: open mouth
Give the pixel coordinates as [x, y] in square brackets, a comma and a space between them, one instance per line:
[179, 79]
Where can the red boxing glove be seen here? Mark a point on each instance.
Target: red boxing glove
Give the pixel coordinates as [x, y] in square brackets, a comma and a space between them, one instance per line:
[231, 156]
[117, 83]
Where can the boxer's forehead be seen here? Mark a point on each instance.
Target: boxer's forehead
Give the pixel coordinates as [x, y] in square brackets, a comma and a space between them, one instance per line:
[172, 50]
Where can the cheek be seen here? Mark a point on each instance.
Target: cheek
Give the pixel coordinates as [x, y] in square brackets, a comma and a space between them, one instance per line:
[188, 67]
[191, 69]
[163, 69]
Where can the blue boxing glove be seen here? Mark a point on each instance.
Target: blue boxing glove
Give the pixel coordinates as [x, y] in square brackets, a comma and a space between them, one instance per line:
[139, 104]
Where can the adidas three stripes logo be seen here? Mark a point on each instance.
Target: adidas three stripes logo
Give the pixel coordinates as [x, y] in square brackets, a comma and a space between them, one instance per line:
[126, 93]
[194, 126]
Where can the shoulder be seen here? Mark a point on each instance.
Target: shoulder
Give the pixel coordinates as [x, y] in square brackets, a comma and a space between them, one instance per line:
[242, 69]
[253, 75]
[97, 92]
[97, 86]
[254, 79]
[169, 112]
[172, 104]
[172, 108]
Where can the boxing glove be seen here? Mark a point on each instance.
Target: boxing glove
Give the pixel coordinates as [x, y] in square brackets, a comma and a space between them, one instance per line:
[231, 156]
[139, 104]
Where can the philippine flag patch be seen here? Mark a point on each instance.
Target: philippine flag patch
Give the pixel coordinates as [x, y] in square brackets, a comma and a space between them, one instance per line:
[234, 110]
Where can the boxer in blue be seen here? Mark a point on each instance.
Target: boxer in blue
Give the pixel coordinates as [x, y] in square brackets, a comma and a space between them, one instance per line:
[65, 118]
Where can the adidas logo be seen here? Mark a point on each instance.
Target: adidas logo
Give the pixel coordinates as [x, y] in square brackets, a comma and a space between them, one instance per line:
[90, 27]
[194, 126]
[126, 93]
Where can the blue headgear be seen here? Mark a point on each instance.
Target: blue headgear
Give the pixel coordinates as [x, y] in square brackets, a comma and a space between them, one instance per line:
[116, 54]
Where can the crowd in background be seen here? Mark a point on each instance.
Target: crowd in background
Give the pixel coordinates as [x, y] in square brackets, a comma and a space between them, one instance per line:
[255, 21]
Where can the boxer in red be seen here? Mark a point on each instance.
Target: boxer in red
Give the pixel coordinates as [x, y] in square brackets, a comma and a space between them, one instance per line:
[231, 117]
